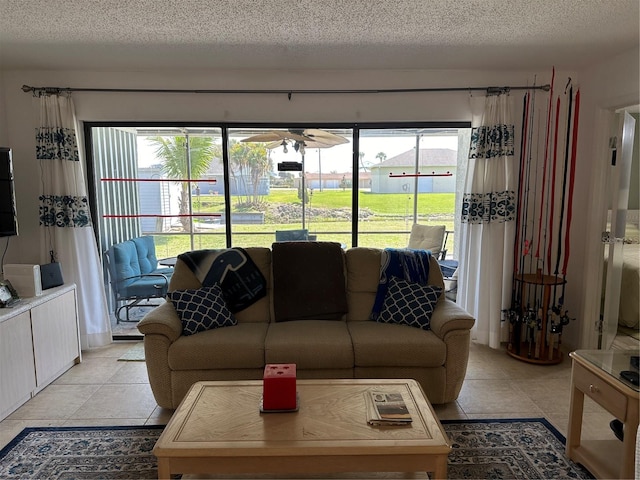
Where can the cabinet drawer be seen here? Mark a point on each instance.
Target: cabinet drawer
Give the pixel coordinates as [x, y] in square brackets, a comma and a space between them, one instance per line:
[612, 400]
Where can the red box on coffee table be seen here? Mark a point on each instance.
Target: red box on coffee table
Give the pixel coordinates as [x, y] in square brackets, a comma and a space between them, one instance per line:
[279, 386]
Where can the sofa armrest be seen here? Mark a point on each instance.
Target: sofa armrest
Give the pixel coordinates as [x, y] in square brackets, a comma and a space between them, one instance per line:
[449, 316]
[162, 320]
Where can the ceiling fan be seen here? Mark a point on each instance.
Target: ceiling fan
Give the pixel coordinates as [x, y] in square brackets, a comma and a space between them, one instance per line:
[299, 139]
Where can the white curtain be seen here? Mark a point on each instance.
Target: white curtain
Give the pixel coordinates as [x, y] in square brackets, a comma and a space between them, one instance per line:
[488, 221]
[65, 219]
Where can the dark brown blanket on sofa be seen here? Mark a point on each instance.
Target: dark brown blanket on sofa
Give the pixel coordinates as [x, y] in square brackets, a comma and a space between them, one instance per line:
[308, 281]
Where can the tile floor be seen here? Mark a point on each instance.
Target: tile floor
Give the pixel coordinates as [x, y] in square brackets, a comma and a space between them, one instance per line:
[104, 391]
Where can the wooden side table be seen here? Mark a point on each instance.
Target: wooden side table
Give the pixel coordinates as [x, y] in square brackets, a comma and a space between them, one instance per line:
[595, 373]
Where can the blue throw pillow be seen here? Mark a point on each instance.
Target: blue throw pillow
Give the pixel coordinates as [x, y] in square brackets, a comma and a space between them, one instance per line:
[409, 303]
[201, 309]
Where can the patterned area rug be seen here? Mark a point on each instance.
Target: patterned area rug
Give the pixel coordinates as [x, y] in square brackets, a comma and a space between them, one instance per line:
[505, 449]
[497, 449]
[67, 453]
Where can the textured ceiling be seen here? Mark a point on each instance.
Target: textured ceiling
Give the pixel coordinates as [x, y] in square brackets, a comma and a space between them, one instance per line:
[319, 34]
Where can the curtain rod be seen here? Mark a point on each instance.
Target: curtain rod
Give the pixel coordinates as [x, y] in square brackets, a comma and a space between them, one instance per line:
[289, 93]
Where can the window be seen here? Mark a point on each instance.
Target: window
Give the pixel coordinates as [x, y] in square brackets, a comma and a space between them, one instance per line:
[408, 175]
[312, 196]
[195, 187]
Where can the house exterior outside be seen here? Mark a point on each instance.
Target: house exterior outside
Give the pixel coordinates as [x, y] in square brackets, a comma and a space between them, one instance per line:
[155, 199]
[431, 160]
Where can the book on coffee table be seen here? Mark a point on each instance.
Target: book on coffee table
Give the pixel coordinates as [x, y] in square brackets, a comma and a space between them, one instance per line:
[386, 408]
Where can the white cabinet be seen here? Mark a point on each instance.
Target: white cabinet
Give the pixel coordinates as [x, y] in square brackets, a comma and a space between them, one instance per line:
[17, 369]
[39, 340]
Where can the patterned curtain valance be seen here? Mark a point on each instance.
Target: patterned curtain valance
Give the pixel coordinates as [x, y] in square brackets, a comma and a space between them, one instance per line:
[491, 141]
[56, 143]
[64, 211]
[489, 207]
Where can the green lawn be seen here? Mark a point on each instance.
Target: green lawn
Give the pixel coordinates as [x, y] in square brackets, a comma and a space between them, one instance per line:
[380, 203]
[387, 225]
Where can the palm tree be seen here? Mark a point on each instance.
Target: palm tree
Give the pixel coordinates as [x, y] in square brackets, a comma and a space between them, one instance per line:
[249, 165]
[178, 166]
[381, 156]
[362, 165]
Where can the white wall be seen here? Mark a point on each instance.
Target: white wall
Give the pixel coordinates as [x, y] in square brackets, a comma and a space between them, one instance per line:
[605, 88]
[443, 106]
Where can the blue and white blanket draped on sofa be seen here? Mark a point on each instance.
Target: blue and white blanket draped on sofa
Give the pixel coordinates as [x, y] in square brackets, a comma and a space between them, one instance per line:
[240, 279]
[408, 264]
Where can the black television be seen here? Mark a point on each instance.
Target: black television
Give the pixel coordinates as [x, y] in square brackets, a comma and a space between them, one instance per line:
[8, 215]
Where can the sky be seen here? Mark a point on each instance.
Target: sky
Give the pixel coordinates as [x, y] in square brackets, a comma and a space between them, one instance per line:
[337, 158]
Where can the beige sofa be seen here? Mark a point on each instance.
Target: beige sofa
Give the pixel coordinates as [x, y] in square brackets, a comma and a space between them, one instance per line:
[355, 347]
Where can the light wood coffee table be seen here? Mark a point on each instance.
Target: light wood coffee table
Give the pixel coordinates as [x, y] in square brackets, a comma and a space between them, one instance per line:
[218, 429]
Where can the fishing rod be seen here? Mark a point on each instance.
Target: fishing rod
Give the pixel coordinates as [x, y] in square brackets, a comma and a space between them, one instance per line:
[544, 170]
[526, 241]
[564, 187]
[515, 315]
[553, 185]
[572, 177]
[532, 263]
[543, 316]
[522, 201]
[516, 245]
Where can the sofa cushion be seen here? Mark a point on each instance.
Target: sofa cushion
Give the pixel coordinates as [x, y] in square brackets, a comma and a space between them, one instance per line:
[310, 344]
[388, 345]
[408, 303]
[427, 237]
[308, 281]
[146, 249]
[238, 347]
[124, 263]
[201, 309]
[411, 265]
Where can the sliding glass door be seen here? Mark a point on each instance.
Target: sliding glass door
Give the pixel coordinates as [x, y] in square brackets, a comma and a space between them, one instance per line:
[164, 182]
[407, 176]
[195, 187]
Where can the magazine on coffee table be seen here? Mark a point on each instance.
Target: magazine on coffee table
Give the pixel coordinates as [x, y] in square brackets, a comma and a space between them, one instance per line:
[386, 408]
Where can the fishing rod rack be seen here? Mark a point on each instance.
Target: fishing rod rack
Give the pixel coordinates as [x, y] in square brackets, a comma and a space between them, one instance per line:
[548, 159]
[535, 327]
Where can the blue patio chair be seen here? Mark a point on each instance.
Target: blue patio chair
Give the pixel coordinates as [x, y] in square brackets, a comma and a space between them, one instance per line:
[134, 275]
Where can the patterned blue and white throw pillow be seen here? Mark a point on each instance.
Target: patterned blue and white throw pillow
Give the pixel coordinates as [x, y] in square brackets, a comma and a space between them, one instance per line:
[201, 309]
[409, 303]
